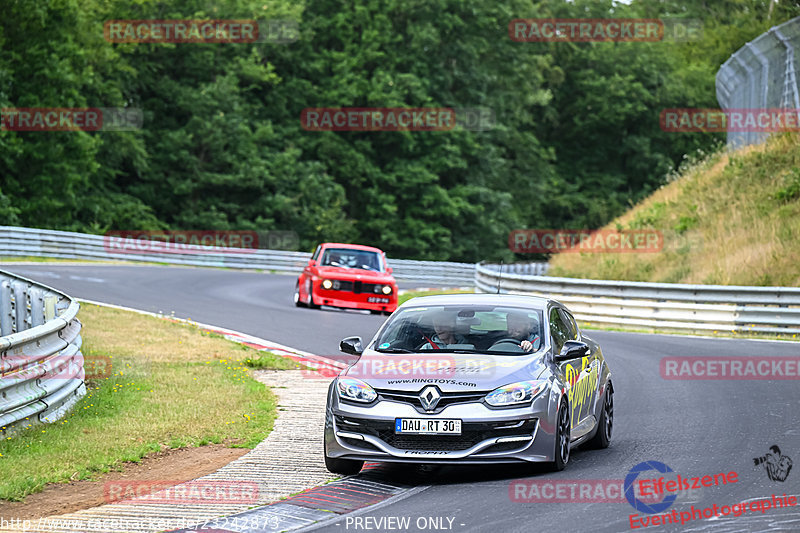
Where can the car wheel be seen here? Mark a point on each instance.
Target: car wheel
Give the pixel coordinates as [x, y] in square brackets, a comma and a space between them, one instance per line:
[311, 303]
[344, 467]
[603, 436]
[561, 450]
[297, 301]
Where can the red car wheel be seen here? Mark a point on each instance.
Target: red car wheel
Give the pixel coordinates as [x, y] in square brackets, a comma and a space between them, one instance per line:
[311, 303]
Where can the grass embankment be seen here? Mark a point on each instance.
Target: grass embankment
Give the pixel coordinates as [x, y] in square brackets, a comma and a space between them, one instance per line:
[170, 386]
[404, 297]
[733, 219]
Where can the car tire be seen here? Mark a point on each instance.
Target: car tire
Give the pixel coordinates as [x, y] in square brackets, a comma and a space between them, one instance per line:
[343, 467]
[311, 303]
[297, 301]
[561, 448]
[602, 438]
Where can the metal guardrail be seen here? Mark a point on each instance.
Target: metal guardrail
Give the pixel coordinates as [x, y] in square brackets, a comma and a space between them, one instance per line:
[762, 74]
[41, 365]
[21, 242]
[665, 306]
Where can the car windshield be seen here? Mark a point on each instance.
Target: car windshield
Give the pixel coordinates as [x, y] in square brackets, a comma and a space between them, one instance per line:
[462, 328]
[347, 258]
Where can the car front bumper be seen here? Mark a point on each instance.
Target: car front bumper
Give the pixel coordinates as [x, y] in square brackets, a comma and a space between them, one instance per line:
[488, 435]
[351, 300]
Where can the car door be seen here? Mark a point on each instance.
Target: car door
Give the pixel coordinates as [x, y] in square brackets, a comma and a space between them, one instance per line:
[585, 393]
[575, 370]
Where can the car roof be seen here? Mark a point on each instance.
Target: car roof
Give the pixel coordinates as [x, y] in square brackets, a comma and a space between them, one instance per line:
[351, 246]
[514, 300]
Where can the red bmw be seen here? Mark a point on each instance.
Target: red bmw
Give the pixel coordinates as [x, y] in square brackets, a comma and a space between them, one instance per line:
[347, 275]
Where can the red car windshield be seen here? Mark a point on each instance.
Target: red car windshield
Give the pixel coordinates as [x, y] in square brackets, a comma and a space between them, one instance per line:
[348, 258]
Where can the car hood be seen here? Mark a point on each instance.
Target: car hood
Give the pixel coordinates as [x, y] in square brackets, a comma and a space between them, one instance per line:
[451, 372]
[359, 274]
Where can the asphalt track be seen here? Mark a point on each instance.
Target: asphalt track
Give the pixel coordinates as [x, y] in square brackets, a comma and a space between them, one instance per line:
[695, 427]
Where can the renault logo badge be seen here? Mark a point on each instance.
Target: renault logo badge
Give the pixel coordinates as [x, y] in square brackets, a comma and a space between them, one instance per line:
[429, 397]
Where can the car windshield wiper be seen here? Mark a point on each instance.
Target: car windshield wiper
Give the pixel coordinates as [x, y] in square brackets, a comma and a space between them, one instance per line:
[393, 350]
[449, 350]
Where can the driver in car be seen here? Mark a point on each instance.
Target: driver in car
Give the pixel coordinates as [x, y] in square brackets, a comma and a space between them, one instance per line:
[444, 325]
[520, 326]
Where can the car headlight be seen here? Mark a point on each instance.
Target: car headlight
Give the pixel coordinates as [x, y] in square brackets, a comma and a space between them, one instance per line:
[336, 285]
[516, 393]
[387, 289]
[355, 390]
[327, 284]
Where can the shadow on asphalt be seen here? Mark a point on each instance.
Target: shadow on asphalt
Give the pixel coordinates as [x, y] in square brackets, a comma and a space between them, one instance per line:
[434, 474]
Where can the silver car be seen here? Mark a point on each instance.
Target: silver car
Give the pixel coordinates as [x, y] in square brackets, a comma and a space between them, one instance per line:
[470, 379]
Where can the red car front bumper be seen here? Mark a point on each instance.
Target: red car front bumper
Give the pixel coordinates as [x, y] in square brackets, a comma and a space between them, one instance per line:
[351, 300]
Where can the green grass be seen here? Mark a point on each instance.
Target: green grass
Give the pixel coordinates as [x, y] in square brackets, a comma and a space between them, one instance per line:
[714, 333]
[170, 386]
[402, 298]
[267, 360]
[730, 219]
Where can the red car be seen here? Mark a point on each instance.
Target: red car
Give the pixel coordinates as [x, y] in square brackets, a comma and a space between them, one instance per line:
[347, 275]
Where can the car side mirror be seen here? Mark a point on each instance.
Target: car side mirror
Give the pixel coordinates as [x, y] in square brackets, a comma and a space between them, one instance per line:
[389, 269]
[573, 350]
[312, 263]
[351, 345]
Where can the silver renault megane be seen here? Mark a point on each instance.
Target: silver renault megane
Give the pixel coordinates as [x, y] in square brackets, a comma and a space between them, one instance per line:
[470, 379]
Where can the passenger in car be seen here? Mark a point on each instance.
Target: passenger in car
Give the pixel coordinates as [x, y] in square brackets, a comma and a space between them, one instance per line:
[444, 326]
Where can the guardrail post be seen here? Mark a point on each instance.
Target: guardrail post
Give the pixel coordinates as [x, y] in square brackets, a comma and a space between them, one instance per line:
[6, 309]
[37, 306]
[20, 306]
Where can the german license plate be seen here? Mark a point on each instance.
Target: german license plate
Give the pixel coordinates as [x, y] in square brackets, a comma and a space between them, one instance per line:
[377, 300]
[427, 426]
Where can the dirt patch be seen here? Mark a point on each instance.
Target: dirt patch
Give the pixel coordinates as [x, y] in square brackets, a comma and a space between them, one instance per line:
[182, 464]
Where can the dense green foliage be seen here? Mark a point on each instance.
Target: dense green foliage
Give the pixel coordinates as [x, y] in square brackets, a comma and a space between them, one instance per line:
[577, 138]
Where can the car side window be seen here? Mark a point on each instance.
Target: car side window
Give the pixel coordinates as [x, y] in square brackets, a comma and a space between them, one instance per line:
[316, 252]
[572, 327]
[558, 330]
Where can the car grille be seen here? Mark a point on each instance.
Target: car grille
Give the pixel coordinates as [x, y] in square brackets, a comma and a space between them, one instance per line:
[357, 287]
[448, 398]
[471, 434]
